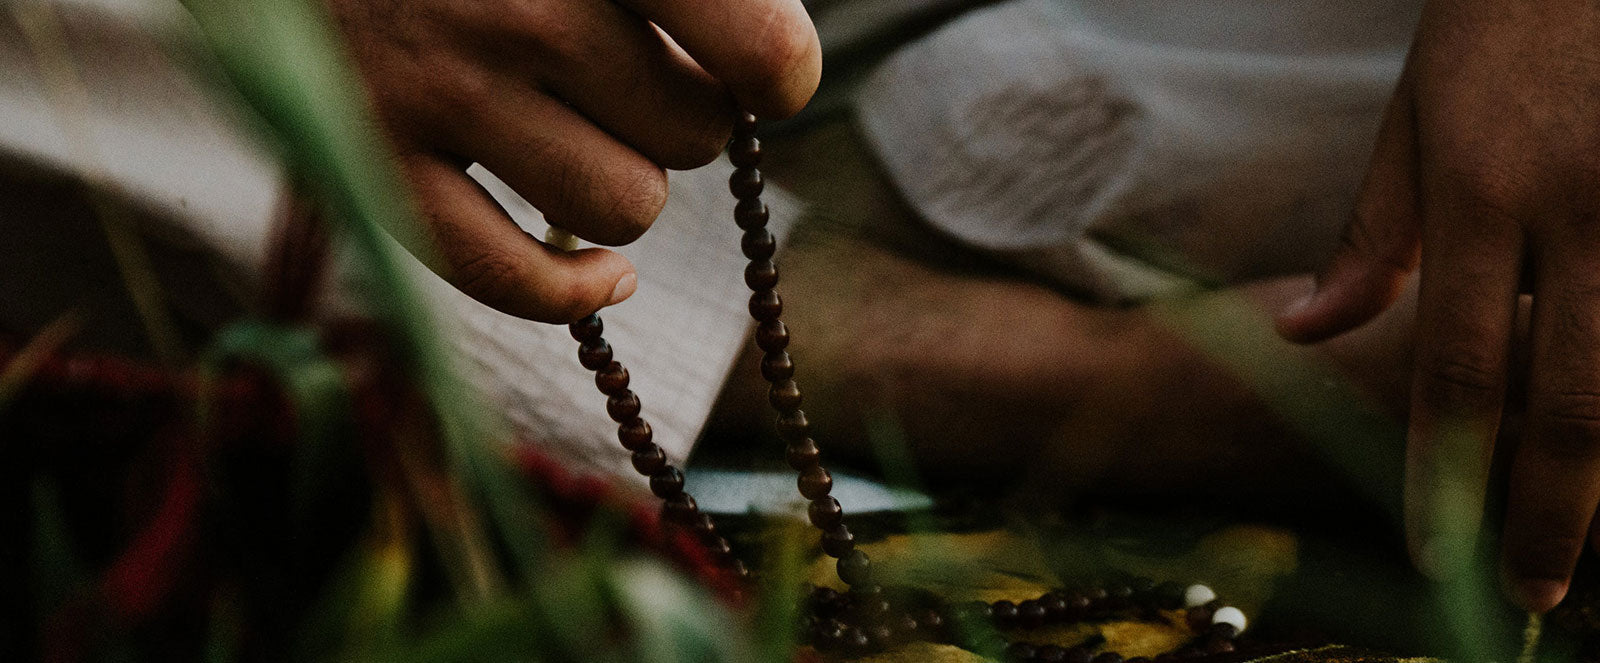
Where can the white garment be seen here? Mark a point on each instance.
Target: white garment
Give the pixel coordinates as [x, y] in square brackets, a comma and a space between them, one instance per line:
[1126, 148]
[146, 127]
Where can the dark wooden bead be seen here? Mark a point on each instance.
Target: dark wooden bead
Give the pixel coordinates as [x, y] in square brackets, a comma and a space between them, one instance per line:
[855, 642]
[667, 482]
[932, 623]
[745, 183]
[1020, 652]
[758, 244]
[1005, 613]
[1078, 605]
[825, 513]
[1051, 654]
[635, 434]
[750, 214]
[777, 366]
[825, 601]
[794, 426]
[588, 329]
[649, 459]
[718, 547]
[1030, 614]
[827, 633]
[803, 455]
[1108, 657]
[815, 483]
[784, 396]
[1223, 630]
[1142, 586]
[772, 336]
[1119, 597]
[838, 542]
[870, 611]
[738, 568]
[703, 526]
[612, 379]
[761, 275]
[855, 568]
[1055, 607]
[1198, 619]
[1079, 654]
[765, 305]
[623, 406]
[882, 636]
[1219, 646]
[905, 626]
[745, 152]
[1168, 596]
[744, 126]
[680, 509]
[594, 355]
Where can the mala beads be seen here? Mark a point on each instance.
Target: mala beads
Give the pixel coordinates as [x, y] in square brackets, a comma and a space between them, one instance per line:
[777, 367]
[666, 481]
[855, 623]
[864, 619]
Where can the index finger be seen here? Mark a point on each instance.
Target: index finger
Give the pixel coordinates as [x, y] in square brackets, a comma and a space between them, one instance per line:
[765, 51]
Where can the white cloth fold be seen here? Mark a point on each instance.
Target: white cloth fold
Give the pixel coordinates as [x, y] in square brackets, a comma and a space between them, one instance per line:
[1126, 148]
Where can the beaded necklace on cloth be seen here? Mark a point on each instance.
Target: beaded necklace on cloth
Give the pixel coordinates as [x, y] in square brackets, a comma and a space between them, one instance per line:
[866, 618]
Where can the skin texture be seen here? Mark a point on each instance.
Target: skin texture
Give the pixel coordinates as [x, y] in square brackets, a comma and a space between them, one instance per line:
[1487, 178]
[580, 106]
[998, 382]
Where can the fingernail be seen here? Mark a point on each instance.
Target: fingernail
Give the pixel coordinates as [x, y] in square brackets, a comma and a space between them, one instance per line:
[625, 287]
[1538, 595]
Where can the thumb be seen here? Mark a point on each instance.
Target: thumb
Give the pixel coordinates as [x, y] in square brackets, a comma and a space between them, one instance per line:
[1381, 244]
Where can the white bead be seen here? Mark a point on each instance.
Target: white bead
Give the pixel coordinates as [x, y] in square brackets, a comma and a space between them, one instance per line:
[1198, 595]
[1230, 615]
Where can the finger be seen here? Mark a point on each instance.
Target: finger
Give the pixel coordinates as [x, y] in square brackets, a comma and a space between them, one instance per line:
[766, 51]
[623, 74]
[581, 179]
[1380, 244]
[1555, 478]
[1466, 311]
[479, 250]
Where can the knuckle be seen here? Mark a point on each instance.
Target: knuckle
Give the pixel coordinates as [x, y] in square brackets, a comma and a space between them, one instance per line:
[1457, 385]
[1487, 186]
[489, 277]
[1576, 406]
[468, 96]
[1567, 423]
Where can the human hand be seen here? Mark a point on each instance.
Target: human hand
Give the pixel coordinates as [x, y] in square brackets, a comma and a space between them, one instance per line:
[578, 105]
[1488, 170]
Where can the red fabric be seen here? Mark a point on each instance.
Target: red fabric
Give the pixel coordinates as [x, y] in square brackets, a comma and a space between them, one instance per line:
[140, 580]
